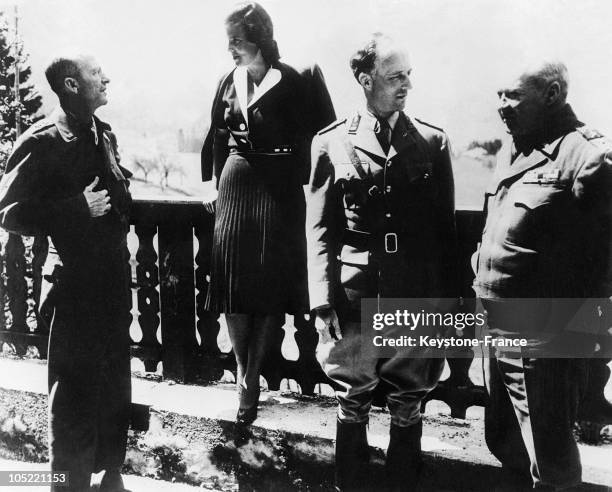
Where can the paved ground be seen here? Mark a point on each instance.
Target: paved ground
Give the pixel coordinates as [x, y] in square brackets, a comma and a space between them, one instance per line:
[457, 458]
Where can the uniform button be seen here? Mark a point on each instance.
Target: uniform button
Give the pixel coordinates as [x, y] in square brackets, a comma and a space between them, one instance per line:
[388, 189]
[388, 215]
[242, 126]
[388, 163]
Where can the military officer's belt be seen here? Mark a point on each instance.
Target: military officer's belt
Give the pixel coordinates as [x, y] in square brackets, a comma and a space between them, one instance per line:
[365, 241]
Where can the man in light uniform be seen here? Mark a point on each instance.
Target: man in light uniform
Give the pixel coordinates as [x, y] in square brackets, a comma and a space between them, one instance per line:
[545, 248]
[380, 222]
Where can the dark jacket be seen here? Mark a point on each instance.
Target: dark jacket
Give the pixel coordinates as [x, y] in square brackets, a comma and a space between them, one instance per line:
[41, 193]
[304, 100]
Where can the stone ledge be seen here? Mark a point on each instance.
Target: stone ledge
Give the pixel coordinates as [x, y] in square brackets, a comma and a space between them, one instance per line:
[192, 438]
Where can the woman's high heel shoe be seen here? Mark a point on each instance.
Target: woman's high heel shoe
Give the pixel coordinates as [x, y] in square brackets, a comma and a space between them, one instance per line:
[246, 415]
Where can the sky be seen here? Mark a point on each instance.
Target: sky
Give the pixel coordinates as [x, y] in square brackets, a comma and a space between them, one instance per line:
[164, 58]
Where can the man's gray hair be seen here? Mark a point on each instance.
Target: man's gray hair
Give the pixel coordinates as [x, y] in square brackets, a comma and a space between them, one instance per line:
[58, 70]
[548, 72]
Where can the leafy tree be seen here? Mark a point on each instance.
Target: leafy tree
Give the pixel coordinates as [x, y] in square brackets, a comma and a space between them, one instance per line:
[491, 147]
[12, 110]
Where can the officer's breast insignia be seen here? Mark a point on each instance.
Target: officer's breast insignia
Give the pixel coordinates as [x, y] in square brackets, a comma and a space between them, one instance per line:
[421, 171]
[548, 177]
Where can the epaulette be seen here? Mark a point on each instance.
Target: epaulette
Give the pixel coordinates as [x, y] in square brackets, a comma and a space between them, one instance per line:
[429, 125]
[329, 128]
[41, 125]
[589, 133]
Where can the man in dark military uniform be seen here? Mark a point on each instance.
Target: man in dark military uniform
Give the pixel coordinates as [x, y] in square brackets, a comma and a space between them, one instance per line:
[64, 181]
[543, 261]
[380, 222]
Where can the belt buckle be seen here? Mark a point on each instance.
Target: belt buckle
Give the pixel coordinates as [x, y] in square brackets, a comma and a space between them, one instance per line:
[391, 242]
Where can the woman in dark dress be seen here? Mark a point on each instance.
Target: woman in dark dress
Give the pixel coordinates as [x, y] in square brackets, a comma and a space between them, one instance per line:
[263, 118]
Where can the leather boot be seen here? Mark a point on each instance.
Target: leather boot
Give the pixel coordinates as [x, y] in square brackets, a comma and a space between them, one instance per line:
[112, 481]
[352, 456]
[595, 408]
[404, 462]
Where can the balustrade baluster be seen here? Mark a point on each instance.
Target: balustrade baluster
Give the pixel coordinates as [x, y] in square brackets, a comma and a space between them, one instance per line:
[177, 295]
[210, 365]
[275, 365]
[308, 371]
[147, 278]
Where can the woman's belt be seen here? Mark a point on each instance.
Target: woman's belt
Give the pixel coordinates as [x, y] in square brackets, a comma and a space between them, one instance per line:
[275, 150]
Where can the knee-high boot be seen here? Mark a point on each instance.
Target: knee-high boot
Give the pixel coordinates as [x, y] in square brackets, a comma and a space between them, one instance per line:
[352, 456]
[404, 462]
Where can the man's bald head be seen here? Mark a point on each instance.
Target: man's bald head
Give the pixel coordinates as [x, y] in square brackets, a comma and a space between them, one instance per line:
[527, 103]
[545, 73]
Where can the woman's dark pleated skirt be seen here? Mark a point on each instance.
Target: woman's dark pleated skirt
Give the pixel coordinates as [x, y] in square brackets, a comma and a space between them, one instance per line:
[259, 248]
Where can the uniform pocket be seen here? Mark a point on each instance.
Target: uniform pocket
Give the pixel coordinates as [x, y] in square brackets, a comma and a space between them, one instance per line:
[533, 213]
[532, 197]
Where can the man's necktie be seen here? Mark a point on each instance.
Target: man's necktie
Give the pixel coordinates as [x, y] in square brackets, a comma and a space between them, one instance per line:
[383, 134]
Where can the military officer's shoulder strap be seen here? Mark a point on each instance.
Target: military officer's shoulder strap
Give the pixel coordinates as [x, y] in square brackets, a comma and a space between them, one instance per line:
[594, 137]
[331, 127]
[346, 142]
[589, 133]
[37, 128]
[350, 148]
[429, 125]
[41, 125]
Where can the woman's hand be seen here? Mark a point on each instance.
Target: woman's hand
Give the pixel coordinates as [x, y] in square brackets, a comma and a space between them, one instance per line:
[210, 201]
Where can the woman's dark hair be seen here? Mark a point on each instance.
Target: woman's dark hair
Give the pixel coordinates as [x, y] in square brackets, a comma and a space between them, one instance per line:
[258, 28]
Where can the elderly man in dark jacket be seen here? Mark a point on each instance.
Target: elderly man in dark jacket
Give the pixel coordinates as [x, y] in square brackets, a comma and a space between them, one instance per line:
[64, 181]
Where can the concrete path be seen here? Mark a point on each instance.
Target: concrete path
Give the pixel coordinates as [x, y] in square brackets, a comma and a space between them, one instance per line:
[456, 454]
